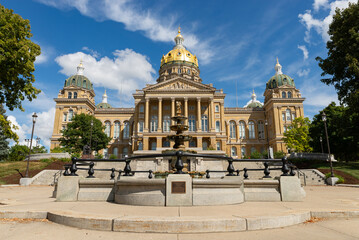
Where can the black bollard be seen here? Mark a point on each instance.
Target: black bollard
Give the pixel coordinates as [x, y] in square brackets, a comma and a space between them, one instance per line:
[66, 173]
[266, 170]
[112, 174]
[285, 168]
[245, 175]
[127, 168]
[91, 170]
[150, 176]
[73, 167]
[119, 174]
[237, 171]
[207, 174]
[179, 163]
[292, 173]
[230, 168]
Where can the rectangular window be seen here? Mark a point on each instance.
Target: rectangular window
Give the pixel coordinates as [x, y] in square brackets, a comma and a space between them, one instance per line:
[218, 146]
[191, 108]
[218, 126]
[283, 116]
[140, 126]
[192, 123]
[65, 117]
[203, 108]
[217, 108]
[293, 116]
[154, 108]
[141, 108]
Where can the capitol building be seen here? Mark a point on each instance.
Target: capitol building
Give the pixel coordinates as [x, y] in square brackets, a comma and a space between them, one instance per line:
[144, 128]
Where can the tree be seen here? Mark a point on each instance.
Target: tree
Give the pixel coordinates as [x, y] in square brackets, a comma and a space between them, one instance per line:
[297, 136]
[18, 152]
[17, 56]
[79, 133]
[4, 144]
[342, 137]
[342, 62]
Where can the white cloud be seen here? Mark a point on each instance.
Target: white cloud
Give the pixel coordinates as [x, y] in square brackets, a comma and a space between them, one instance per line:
[20, 131]
[305, 51]
[303, 72]
[93, 53]
[126, 72]
[321, 26]
[320, 3]
[42, 58]
[136, 19]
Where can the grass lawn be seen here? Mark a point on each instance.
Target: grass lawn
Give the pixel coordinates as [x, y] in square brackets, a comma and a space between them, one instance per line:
[8, 168]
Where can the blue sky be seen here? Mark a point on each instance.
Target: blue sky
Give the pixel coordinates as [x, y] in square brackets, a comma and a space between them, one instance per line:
[122, 41]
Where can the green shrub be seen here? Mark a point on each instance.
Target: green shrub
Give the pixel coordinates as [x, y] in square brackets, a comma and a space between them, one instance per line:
[341, 179]
[113, 156]
[58, 150]
[98, 156]
[47, 160]
[279, 154]
[256, 155]
[76, 155]
[18, 152]
[64, 159]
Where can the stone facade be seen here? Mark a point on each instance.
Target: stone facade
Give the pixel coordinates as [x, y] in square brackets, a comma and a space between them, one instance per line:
[236, 131]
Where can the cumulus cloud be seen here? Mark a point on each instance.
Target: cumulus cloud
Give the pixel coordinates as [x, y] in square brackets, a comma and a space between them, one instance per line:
[303, 72]
[125, 72]
[305, 51]
[93, 53]
[20, 131]
[136, 19]
[320, 3]
[321, 26]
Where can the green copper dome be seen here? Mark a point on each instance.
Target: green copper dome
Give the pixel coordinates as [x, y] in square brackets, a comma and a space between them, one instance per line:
[79, 81]
[103, 105]
[254, 105]
[280, 80]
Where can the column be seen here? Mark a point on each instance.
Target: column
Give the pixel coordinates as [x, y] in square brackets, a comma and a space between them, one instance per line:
[145, 143]
[212, 126]
[159, 142]
[227, 129]
[237, 131]
[199, 142]
[172, 109]
[199, 124]
[159, 115]
[186, 109]
[147, 110]
[222, 118]
[279, 126]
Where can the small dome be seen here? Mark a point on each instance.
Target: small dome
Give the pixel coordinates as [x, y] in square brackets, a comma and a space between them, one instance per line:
[254, 103]
[179, 54]
[103, 105]
[279, 79]
[79, 80]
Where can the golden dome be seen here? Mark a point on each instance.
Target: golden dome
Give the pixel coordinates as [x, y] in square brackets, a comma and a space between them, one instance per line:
[179, 53]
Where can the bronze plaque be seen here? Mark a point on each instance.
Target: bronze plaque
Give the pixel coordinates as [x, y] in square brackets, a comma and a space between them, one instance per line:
[179, 187]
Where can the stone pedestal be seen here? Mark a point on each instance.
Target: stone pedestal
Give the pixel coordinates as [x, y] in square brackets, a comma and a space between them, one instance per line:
[179, 190]
[25, 181]
[331, 181]
[67, 189]
[291, 189]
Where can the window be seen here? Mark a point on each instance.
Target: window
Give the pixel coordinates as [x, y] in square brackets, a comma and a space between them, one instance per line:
[169, 71]
[63, 128]
[287, 114]
[232, 129]
[192, 143]
[242, 130]
[289, 94]
[84, 83]
[141, 108]
[233, 151]
[126, 130]
[284, 95]
[192, 123]
[252, 134]
[69, 95]
[260, 130]
[284, 129]
[191, 108]
[188, 71]
[253, 149]
[140, 126]
[218, 146]
[283, 116]
[166, 123]
[166, 107]
[243, 151]
[71, 114]
[216, 108]
[218, 126]
[107, 128]
[293, 116]
[203, 108]
[73, 81]
[166, 143]
[154, 108]
[115, 151]
[204, 123]
[153, 145]
[179, 70]
[204, 146]
[140, 146]
[116, 133]
[154, 123]
[125, 151]
[75, 95]
[65, 117]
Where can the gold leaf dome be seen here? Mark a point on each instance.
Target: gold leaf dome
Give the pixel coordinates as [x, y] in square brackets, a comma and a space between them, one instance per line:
[179, 54]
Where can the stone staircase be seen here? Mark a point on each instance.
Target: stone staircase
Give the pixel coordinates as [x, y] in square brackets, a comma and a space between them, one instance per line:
[310, 177]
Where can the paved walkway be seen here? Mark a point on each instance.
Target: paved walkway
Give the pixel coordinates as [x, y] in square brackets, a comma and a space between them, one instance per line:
[319, 198]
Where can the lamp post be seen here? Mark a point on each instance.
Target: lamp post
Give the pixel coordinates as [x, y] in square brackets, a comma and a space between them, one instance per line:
[321, 143]
[266, 123]
[324, 118]
[34, 116]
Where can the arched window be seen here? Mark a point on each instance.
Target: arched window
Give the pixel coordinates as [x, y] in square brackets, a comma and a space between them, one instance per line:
[233, 151]
[126, 130]
[71, 114]
[140, 146]
[284, 95]
[217, 108]
[166, 123]
[107, 128]
[140, 126]
[75, 95]
[188, 71]
[260, 130]
[204, 123]
[287, 114]
[73, 81]
[116, 133]
[204, 145]
[69, 95]
[252, 134]
[253, 149]
[65, 117]
[192, 123]
[242, 130]
[153, 146]
[166, 143]
[115, 151]
[243, 152]
[218, 126]
[289, 94]
[125, 151]
[232, 129]
[154, 123]
[84, 83]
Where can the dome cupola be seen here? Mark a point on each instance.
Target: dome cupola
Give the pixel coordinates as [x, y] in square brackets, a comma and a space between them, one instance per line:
[279, 79]
[104, 103]
[254, 103]
[79, 80]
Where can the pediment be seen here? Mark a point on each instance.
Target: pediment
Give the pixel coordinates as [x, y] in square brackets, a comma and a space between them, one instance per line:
[179, 84]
